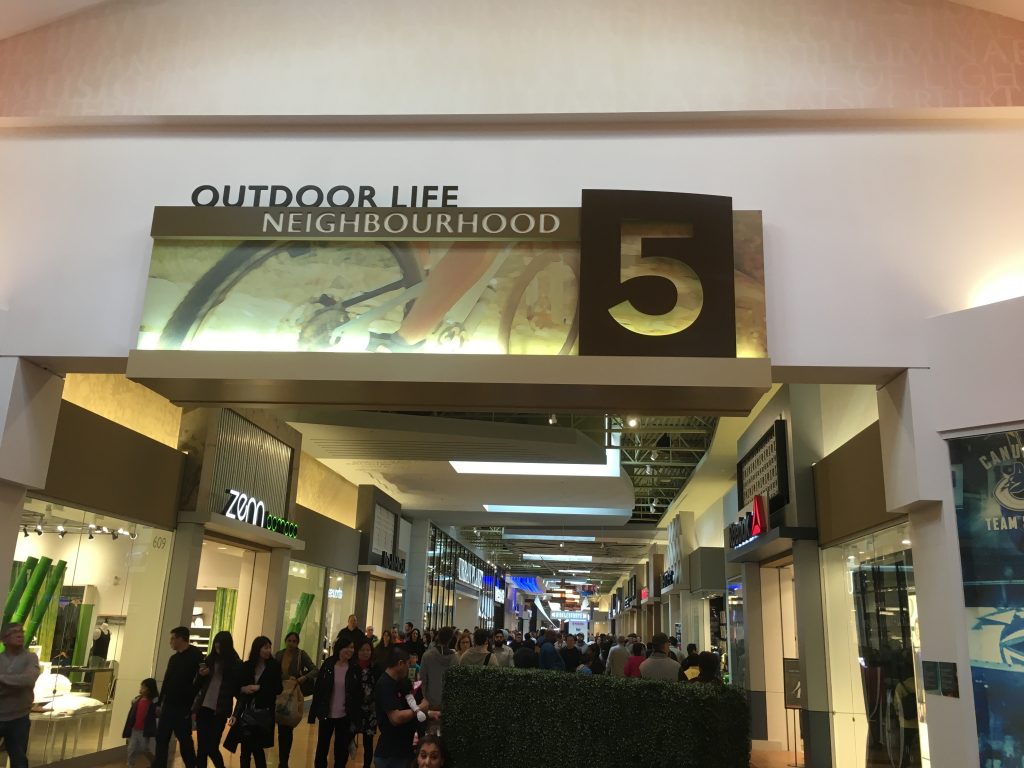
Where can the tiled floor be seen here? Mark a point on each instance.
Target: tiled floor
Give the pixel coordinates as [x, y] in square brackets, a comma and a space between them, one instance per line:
[759, 759]
[305, 746]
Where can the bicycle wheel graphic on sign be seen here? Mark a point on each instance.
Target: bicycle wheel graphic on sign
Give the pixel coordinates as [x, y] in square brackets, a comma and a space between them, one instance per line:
[479, 297]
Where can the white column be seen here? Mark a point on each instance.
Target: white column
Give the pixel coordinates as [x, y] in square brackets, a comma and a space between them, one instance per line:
[275, 594]
[915, 462]
[29, 404]
[181, 588]
[416, 574]
[11, 499]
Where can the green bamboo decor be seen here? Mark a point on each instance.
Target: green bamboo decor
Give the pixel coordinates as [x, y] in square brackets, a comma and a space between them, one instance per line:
[28, 596]
[48, 626]
[225, 602]
[301, 613]
[53, 579]
[83, 639]
[28, 602]
[19, 581]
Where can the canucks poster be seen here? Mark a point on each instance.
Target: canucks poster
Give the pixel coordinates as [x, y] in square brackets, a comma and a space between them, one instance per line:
[988, 481]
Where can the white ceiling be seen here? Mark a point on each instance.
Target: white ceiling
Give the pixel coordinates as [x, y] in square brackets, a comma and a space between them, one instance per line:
[408, 458]
[17, 16]
[1012, 8]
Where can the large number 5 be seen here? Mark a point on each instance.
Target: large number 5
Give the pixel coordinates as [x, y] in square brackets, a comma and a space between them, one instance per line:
[656, 274]
[648, 276]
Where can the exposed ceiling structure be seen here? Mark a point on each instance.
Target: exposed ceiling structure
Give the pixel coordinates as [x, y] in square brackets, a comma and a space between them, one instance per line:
[596, 556]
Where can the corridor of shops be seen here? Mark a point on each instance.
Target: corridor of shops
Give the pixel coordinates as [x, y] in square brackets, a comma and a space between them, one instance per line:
[663, 353]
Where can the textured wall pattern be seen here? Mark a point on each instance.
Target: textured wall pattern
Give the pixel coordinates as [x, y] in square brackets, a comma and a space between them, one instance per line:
[340, 57]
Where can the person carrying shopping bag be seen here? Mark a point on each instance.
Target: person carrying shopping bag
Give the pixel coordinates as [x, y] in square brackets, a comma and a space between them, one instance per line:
[252, 725]
[299, 677]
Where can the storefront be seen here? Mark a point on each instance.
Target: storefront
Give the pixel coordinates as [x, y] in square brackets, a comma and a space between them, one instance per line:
[89, 577]
[231, 561]
[773, 608]
[321, 592]
[460, 585]
[382, 559]
[870, 607]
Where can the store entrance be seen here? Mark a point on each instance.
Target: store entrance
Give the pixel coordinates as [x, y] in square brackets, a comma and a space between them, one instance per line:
[778, 613]
[224, 594]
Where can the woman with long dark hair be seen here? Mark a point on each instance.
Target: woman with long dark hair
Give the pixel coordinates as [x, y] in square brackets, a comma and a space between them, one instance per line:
[297, 669]
[415, 645]
[383, 650]
[337, 704]
[368, 674]
[254, 714]
[219, 676]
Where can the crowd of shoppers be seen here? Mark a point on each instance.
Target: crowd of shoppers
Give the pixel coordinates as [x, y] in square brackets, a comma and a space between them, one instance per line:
[364, 686]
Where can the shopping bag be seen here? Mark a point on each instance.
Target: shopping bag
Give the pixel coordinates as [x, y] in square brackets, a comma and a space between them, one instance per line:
[256, 721]
[288, 705]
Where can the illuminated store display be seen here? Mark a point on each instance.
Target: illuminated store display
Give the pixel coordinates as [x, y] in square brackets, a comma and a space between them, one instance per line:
[88, 589]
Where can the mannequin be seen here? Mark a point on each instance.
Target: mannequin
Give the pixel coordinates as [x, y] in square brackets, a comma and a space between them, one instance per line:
[100, 646]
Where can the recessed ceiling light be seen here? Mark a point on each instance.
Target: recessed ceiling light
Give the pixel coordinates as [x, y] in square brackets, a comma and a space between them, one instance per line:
[610, 467]
[529, 510]
[536, 537]
[905, 542]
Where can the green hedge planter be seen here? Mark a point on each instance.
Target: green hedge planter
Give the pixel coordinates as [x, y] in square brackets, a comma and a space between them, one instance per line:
[494, 718]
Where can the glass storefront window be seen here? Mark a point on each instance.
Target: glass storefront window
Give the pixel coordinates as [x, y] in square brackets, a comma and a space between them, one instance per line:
[304, 606]
[873, 650]
[91, 622]
[737, 661]
[339, 604]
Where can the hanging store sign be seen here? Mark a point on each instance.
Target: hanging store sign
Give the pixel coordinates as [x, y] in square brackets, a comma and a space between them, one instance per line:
[762, 478]
[248, 509]
[989, 474]
[627, 273]
[570, 615]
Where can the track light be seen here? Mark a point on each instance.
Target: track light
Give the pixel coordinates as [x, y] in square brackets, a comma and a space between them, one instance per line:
[553, 419]
[133, 535]
[39, 529]
[113, 535]
[90, 532]
[104, 529]
[24, 531]
[60, 531]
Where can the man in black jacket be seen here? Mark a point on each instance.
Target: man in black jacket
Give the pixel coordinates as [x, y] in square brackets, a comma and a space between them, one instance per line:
[176, 695]
[571, 655]
[352, 633]
[692, 657]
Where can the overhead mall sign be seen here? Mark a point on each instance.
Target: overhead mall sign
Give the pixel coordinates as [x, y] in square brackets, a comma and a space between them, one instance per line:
[353, 268]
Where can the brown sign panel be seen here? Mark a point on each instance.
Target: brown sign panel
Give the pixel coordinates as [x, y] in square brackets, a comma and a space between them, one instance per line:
[392, 224]
[657, 275]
